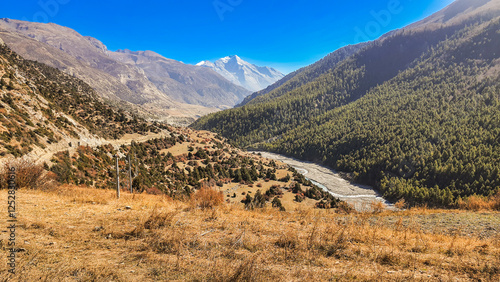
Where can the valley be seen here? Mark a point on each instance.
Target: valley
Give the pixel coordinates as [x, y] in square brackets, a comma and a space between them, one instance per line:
[360, 197]
[377, 162]
[413, 114]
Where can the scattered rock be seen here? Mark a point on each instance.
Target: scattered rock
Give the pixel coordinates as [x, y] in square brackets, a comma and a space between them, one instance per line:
[128, 207]
[98, 228]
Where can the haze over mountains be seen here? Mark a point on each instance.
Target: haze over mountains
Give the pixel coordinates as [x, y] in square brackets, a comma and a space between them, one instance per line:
[158, 85]
[415, 113]
[242, 73]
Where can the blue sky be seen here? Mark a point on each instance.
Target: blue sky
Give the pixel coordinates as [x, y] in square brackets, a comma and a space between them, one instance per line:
[286, 35]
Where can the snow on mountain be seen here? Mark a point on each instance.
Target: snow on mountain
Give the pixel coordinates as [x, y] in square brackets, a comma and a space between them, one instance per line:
[240, 72]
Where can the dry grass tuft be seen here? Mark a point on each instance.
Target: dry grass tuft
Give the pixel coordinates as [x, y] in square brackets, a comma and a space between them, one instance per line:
[159, 219]
[496, 201]
[401, 204]
[288, 240]
[377, 206]
[346, 208]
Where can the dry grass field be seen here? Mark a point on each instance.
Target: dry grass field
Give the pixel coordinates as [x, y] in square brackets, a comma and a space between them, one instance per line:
[80, 234]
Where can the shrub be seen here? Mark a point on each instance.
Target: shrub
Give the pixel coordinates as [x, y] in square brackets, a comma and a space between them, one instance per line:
[28, 175]
[207, 198]
[259, 201]
[344, 207]
[256, 202]
[476, 203]
[299, 198]
[288, 240]
[296, 188]
[496, 201]
[159, 219]
[276, 203]
[285, 179]
[154, 191]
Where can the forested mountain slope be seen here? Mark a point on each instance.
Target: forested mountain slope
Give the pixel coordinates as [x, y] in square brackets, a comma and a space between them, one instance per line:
[430, 135]
[275, 113]
[415, 113]
[455, 14]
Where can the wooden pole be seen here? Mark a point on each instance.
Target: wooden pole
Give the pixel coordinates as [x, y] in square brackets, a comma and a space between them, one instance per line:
[117, 178]
[136, 168]
[130, 174]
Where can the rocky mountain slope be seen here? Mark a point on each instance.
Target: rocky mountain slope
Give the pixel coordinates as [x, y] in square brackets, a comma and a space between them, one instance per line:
[240, 72]
[40, 106]
[185, 83]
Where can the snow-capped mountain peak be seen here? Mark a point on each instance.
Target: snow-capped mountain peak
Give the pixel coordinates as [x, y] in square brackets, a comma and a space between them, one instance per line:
[205, 63]
[245, 74]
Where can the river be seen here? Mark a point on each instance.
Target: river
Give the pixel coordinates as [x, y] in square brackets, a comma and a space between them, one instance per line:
[359, 196]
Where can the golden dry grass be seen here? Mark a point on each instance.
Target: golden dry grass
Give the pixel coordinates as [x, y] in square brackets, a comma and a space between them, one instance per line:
[83, 234]
[477, 203]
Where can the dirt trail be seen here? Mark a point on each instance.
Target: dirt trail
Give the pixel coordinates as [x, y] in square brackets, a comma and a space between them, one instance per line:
[45, 155]
[358, 195]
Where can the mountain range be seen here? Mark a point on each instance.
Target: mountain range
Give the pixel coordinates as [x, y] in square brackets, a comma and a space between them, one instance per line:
[244, 74]
[142, 82]
[414, 113]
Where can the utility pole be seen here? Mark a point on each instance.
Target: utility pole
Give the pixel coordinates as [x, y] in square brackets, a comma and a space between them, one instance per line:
[117, 178]
[130, 175]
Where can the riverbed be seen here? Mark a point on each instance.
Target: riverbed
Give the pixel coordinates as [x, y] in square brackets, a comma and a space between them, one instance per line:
[359, 196]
